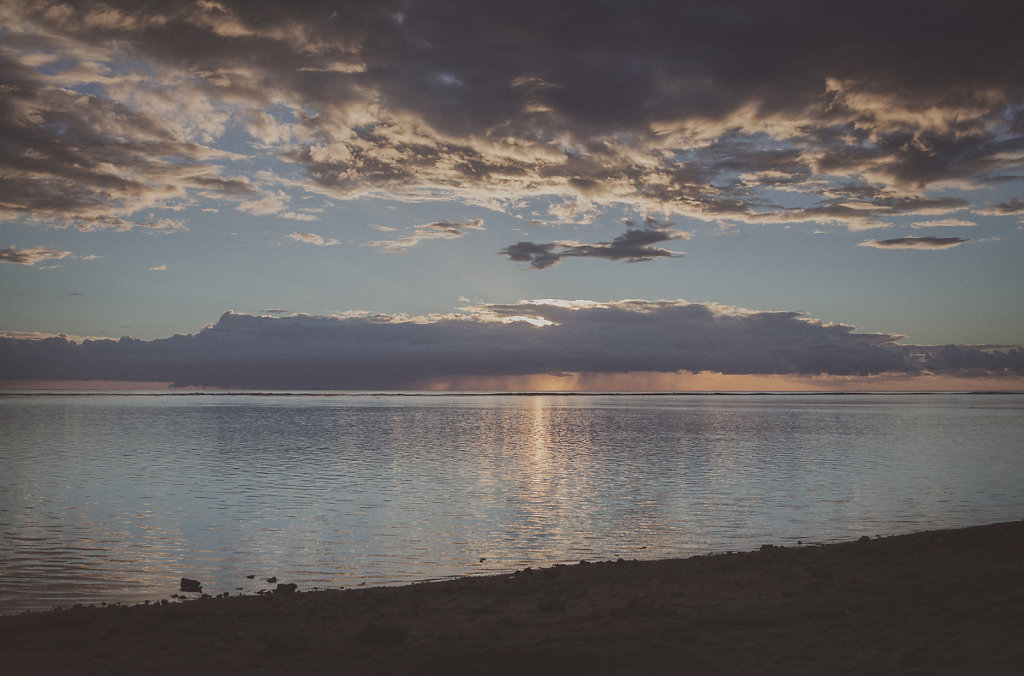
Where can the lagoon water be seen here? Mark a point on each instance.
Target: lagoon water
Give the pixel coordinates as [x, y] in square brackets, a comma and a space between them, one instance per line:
[115, 497]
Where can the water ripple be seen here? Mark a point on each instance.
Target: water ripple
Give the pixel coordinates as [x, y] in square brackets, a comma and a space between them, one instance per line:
[114, 498]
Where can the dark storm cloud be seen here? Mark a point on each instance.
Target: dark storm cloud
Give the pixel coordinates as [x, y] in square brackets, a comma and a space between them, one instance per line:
[694, 108]
[539, 256]
[926, 243]
[635, 245]
[381, 352]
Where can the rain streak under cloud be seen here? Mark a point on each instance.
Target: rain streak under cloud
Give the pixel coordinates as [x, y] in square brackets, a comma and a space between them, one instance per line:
[634, 128]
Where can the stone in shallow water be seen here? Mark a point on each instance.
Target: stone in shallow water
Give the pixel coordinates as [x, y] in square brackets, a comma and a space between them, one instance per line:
[190, 585]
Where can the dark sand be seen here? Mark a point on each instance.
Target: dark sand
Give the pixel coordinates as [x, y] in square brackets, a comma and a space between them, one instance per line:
[943, 602]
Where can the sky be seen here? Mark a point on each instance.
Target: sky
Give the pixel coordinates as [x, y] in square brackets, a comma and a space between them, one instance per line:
[513, 195]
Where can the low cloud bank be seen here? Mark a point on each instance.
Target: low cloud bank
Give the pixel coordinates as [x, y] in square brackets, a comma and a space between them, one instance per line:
[384, 352]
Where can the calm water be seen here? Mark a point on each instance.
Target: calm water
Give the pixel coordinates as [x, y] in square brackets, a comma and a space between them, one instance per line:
[116, 497]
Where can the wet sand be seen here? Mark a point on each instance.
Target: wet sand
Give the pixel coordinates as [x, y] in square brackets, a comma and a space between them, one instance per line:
[941, 602]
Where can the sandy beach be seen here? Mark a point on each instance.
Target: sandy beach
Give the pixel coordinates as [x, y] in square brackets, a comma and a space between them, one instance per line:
[940, 602]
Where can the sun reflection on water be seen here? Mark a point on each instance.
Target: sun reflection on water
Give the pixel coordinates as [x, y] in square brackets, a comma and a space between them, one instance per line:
[117, 498]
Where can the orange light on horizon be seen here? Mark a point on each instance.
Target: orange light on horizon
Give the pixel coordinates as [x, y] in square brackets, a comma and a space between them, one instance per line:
[684, 381]
[637, 381]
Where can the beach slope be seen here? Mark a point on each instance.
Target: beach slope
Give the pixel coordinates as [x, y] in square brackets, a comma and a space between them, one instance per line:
[940, 602]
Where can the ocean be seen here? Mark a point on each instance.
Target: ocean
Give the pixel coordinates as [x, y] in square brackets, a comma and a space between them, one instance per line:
[113, 497]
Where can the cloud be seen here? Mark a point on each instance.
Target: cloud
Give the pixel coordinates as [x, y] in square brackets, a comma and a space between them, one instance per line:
[375, 351]
[298, 216]
[161, 225]
[436, 230]
[967, 361]
[89, 161]
[37, 336]
[311, 238]
[30, 256]
[945, 223]
[707, 111]
[1014, 206]
[574, 211]
[158, 268]
[269, 205]
[925, 243]
[635, 245]
[692, 128]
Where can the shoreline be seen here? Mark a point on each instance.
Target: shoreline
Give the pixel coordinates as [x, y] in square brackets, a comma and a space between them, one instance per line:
[949, 601]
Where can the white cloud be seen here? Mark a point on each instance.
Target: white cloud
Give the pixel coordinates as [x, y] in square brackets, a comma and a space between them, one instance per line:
[311, 238]
[574, 211]
[945, 223]
[298, 216]
[269, 205]
[436, 230]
